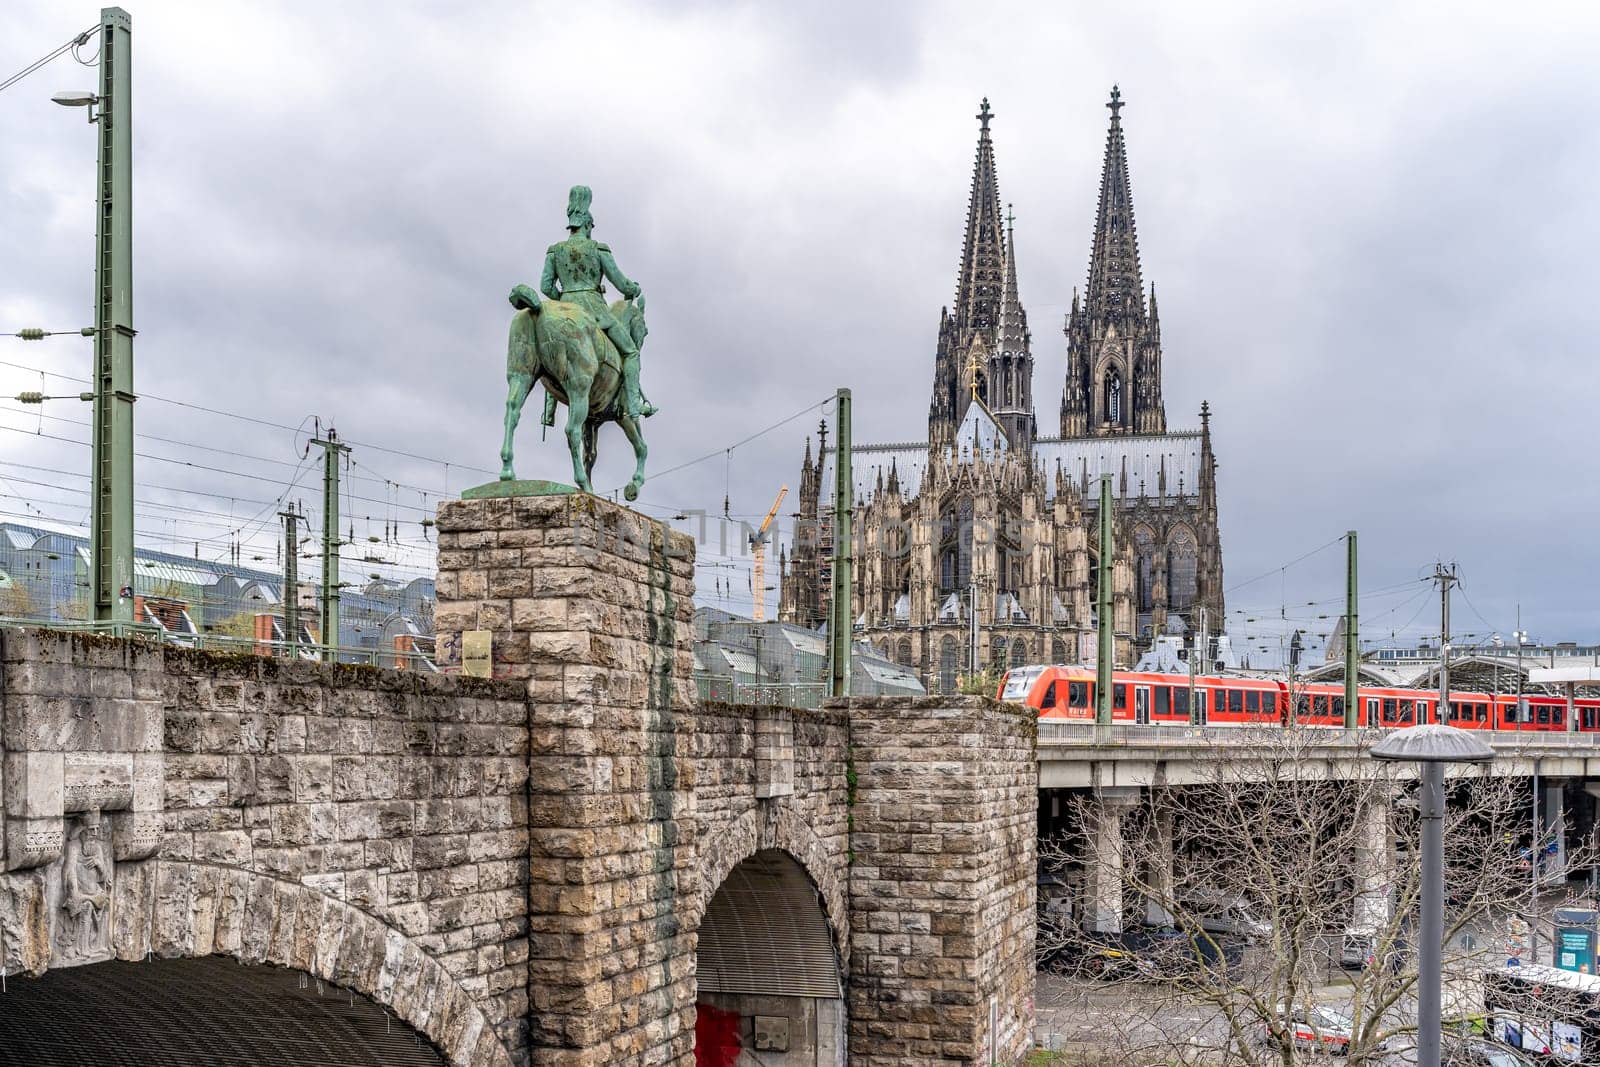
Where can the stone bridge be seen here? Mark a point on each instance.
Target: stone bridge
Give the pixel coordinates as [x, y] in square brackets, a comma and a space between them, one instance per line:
[569, 862]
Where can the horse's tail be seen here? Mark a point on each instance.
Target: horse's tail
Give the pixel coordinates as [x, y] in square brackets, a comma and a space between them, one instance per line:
[523, 298]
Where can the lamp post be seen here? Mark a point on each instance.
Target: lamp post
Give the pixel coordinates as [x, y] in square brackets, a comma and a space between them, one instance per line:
[1431, 746]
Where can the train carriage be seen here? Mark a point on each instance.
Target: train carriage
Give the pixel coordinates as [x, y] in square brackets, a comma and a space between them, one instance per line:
[1146, 699]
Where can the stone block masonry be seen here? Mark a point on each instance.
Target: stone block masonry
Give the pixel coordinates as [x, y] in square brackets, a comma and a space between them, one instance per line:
[590, 606]
[521, 867]
[365, 826]
[943, 880]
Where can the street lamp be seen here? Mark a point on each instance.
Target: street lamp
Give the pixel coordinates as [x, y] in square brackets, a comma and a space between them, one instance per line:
[1432, 746]
[77, 98]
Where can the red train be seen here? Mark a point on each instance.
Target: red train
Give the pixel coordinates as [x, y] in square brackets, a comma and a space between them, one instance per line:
[1155, 699]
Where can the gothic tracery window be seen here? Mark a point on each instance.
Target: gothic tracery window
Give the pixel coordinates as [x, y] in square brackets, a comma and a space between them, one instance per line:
[1144, 546]
[1182, 571]
[1114, 397]
[949, 658]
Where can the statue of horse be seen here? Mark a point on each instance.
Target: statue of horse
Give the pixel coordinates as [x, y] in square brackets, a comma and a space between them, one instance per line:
[559, 344]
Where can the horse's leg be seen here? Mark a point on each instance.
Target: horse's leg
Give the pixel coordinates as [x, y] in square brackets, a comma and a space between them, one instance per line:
[640, 451]
[590, 432]
[577, 417]
[519, 386]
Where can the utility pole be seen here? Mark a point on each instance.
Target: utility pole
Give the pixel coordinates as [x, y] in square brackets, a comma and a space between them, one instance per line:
[839, 621]
[328, 624]
[1195, 654]
[1352, 642]
[1103, 622]
[111, 531]
[1446, 578]
[291, 579]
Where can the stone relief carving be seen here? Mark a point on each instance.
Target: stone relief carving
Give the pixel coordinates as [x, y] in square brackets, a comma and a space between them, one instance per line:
[82, 901]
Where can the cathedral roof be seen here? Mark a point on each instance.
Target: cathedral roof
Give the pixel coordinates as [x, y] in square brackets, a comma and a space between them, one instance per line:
[1144, 458]
[979, 434]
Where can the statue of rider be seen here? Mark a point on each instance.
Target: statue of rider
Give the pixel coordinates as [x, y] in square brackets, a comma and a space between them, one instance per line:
[581, 265]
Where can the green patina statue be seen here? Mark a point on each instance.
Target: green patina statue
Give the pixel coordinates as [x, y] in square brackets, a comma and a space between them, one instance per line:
[585, 351]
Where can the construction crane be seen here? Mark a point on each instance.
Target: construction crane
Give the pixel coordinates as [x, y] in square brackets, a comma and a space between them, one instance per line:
[758, 572]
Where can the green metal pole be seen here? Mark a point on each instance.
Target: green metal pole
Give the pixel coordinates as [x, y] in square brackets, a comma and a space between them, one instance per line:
[291, 579]
[1103, 620]
[1352, 635]
[329, 599]
[839, 620]
[111, 524]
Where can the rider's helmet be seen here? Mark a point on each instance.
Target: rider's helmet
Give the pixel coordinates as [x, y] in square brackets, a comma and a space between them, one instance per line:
[578, 198]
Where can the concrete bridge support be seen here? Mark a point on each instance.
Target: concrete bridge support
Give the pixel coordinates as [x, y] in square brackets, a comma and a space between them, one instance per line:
[1159, 874]
[1373, 861]
[1104, 857]
[1553, 826]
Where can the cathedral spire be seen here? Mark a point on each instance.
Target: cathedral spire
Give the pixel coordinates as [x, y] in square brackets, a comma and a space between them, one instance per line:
[1116, 291]
[983, 250]
[1011, 366]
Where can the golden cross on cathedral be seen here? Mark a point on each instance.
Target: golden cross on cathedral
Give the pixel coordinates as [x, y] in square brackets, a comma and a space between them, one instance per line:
[973, 366]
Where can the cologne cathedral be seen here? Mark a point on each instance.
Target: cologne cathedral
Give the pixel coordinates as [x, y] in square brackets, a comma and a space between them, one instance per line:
[994, 517]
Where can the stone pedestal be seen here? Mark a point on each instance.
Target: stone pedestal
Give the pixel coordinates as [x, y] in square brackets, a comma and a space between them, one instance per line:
[591, 605]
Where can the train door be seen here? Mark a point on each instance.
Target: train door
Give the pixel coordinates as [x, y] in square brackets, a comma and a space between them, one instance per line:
[1372, 711]
[1200, 703]
[1141, 705]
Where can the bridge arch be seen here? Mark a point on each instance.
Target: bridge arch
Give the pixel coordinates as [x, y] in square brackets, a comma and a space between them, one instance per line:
[193, 909]
[204, 1009]
[771, 942]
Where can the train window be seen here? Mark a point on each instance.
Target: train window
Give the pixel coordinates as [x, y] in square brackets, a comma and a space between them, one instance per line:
[1049, 700]
[1180, 701]
[1483, 713]
[1252, 701]
[1269, 703]
[1558, 716]
[1338, 707]
[1302, 705]
[1236, 700]
[1119, 694]
[1422, 711]
[1404, 714]
[1078, 694]
[1389, 714]
[1586, 718]
[1163, 700]
[1543, 715]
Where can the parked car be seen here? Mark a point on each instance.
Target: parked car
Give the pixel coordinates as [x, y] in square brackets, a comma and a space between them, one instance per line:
[1224, 913]
[1316, 1027]
[1475, 1052]
[1103, 956]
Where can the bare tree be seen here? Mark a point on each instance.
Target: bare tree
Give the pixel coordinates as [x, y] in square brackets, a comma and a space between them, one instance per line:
[1285, 850]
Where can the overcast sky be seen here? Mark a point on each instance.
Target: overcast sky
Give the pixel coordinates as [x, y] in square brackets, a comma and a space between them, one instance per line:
[1372, 229]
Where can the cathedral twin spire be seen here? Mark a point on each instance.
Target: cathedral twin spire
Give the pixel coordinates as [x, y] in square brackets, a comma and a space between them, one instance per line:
[1113, 380]
[984, 349]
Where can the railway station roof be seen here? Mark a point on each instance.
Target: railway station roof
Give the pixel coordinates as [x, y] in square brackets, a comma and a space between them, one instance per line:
[1584, 675]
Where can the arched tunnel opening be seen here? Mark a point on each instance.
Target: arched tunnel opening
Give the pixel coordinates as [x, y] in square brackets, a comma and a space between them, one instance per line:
[771, 990]
[211, 1010]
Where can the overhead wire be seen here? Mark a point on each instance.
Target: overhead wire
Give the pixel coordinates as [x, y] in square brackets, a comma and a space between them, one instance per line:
[71, 44]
